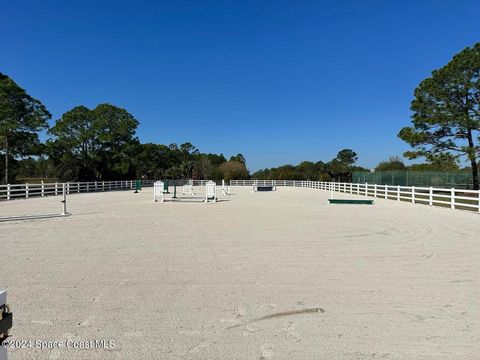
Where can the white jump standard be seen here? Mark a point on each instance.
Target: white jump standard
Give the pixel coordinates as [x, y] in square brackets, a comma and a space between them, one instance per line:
[158, 193]
[225, 188]
[210, 191]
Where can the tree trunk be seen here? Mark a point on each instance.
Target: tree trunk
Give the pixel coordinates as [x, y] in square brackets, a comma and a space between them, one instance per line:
[473, 159]
[7, 155]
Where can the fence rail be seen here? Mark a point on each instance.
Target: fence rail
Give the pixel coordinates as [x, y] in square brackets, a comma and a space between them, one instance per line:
[452, 198]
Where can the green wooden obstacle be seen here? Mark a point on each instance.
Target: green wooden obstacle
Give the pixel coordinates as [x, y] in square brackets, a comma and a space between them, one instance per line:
[350, 201]
[138, 185]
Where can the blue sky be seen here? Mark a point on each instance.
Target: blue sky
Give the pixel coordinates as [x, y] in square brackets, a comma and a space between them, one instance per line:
[279, 81]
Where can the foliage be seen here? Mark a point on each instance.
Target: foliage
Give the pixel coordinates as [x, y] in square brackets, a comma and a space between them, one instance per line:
[446, 118]
[240, 158]
[393, 163]
[233, 169]
[94, 144]
[340, 168]
[440, 162]
[21, 118]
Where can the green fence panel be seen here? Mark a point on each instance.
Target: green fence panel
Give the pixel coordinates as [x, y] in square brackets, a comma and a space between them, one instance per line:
[446, 179]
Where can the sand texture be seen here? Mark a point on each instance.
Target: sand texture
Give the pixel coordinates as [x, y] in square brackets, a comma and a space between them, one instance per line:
[281, 275]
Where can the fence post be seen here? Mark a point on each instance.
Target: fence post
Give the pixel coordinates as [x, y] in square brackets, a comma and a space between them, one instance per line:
[78, 186]
[386, 192]
[8, 191]
[43, 188]
[398, 192]
[26, 190]
[452, 194]
[366, 189]
[430, 196]
[375, 190]
[95, 186]
[68, 188]
[413, 194]
[56, 188]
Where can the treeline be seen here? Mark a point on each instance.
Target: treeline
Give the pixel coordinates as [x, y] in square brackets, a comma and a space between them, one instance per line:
[343, 165]
[338, 169]
[93, 144]
[441, 162]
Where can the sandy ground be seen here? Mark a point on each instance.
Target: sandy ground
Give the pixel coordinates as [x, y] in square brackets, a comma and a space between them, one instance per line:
[257, 276]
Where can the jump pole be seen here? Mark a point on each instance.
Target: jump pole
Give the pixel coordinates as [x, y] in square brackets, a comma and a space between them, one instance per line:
[42, 216]
[64, 200]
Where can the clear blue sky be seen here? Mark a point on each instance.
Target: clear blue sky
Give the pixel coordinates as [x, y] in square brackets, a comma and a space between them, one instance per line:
[279, 81]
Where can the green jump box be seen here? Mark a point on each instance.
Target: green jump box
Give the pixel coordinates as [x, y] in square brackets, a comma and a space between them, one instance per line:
[350, 201]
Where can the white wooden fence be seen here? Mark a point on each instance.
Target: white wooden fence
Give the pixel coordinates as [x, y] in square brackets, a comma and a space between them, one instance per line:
[23, 191]
[452, 198]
